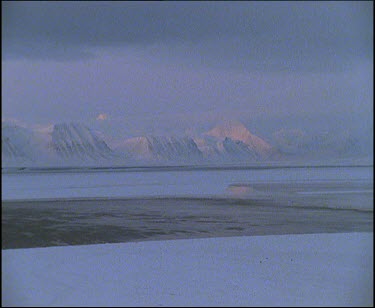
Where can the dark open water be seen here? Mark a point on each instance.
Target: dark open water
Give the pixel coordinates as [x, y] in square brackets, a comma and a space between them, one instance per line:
[27, 224]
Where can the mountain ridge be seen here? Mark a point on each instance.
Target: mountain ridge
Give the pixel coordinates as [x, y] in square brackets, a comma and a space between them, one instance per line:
[72, 143]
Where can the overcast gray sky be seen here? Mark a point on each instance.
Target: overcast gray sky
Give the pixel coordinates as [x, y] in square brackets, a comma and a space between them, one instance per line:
[134, 68]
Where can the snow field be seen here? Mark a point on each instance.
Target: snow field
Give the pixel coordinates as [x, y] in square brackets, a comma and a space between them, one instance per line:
[282, 270]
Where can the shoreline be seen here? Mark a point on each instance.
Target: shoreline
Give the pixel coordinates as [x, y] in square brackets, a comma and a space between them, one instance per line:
[166, 167]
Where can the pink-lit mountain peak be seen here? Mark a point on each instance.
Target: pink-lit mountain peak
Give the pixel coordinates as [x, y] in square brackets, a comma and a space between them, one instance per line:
[237, 131]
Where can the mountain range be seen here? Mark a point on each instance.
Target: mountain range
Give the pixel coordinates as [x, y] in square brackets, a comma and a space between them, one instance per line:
[229, 143]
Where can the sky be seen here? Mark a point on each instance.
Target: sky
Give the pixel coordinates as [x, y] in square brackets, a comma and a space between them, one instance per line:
[136, 68]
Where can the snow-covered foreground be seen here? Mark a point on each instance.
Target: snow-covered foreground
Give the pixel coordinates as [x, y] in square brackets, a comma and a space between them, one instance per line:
[281, 270]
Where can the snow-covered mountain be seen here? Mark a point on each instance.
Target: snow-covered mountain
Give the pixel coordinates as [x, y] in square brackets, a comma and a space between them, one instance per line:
[22, 146]
[237, 149]
[15, 143]
[162, 149]
[67, 144]
[297, 143]
[233, 141]
[76, 142]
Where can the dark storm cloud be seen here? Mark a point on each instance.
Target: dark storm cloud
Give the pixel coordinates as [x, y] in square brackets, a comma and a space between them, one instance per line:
[256, 35]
